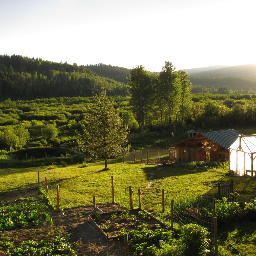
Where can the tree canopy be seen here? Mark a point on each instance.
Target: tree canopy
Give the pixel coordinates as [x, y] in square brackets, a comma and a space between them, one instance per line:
[103, 132]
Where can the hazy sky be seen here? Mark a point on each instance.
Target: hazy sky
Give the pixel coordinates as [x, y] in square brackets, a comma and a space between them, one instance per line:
[127, 33]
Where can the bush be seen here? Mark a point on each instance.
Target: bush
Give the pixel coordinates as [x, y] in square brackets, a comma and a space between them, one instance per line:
[193, 240]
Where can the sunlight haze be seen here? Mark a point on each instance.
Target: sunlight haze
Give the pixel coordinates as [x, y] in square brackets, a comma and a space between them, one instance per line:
[189, 33]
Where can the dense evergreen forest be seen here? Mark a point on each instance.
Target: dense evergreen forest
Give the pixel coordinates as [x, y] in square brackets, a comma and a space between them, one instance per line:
[23, 78]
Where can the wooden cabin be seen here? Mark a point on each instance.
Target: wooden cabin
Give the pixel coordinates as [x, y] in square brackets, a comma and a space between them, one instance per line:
[209, 146]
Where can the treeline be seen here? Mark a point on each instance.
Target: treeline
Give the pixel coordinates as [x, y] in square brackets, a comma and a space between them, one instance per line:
[55, 121]
[23, 78]
[117, 73]
[220, 84]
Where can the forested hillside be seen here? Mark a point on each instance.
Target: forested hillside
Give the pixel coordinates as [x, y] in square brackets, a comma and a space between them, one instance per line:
[215, 82]
[117, 73]
[23, 78]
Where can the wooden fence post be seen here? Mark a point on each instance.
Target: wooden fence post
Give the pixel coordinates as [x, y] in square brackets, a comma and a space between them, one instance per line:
[46, 185]
[113, 191]
[130, 198]
[215, 236]
[214, 207]
[172, 212]
[94, 205]
[139, 193]
[163, 202]
[147, 156]
[126, 245]
[58, 198]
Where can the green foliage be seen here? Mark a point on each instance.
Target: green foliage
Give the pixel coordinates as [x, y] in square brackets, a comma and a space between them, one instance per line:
[57, 246]
[14, 137]
[140, 87]
[50, 132]
[226, 210]
[104, 134]
[194, 240]
[23, 213]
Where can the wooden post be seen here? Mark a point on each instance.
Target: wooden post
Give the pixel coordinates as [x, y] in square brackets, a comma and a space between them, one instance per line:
[58, 198]
[94, 205]
[38, 179]
[163, 202]
[46, 185]
[214, 207]
[215, 236]
[147, 156]
[139, 193]
[172, 212]
[126, 245]
[113, 191]
[130, 198]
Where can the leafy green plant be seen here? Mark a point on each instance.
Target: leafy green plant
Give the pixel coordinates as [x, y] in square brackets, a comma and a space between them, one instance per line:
[194, 240]
[226, 210]
[56, 246]
[23, 214]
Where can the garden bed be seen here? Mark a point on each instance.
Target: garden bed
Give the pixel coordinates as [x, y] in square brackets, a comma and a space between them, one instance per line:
[110, 225]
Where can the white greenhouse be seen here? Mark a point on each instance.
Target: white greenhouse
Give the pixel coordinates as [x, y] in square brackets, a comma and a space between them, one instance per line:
[242, 155]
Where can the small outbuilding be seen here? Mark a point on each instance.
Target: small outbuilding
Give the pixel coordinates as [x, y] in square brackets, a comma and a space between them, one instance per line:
[243, 156]
[209, 146]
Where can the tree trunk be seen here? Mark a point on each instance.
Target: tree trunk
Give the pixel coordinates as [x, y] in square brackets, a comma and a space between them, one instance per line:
[106, 161]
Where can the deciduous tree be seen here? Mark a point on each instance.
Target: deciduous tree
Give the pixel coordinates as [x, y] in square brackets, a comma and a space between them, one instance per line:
[103, 133]
[140, 87]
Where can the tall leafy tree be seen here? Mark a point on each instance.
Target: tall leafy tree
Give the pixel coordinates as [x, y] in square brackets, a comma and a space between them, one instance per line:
[140, 87]
[182, 78]
[167, 89]
[103, 133]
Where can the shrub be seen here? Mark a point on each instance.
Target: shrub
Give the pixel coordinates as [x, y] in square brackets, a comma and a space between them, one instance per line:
[193, 240]
[226, 210]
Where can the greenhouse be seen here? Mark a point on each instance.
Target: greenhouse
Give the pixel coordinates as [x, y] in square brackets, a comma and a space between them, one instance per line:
[242, 154]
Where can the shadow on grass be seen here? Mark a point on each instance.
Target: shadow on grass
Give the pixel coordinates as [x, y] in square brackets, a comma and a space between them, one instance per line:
[160, 171]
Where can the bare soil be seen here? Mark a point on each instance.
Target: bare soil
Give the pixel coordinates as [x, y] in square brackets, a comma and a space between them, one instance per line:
[86, 240]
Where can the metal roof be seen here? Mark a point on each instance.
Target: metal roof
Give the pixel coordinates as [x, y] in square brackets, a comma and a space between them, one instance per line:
[224, 138]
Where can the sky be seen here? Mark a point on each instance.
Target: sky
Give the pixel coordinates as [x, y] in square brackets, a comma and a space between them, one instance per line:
[127, 33]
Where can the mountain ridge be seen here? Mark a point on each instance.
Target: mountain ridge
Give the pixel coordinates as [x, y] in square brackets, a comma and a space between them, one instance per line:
[242, 71]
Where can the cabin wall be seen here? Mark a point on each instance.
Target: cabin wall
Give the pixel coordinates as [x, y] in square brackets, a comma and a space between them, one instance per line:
[192, 154]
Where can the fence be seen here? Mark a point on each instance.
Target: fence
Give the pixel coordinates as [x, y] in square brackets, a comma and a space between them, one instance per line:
[189, 215]
[150, 156]
[225, 188]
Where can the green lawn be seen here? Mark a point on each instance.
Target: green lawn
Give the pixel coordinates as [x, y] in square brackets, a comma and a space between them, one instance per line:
[78, 183]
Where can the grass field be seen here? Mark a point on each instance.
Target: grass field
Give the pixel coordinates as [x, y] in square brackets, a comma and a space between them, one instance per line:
[79, 183]
[183, 183]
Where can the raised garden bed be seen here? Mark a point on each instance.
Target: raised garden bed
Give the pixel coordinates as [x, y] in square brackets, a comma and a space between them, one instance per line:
[110, 225]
